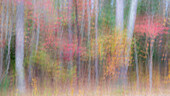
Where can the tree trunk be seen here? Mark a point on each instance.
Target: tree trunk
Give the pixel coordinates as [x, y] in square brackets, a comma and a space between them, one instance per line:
[82, 33]
[2, 31]
[8, 60]
[38, 33]
[82, 21]
[130, 29]
[96, 47]
[60, 36]
[7, 19]
[166, 8]
[78, 44]
[137, 66]
[119, 28]
[70, 65]
[151, 64]
[30, 60]
[166, 14]
[119, 14]
[20, 78]
[9, 47]
[112, 2]
[88, 42]
[132, 18]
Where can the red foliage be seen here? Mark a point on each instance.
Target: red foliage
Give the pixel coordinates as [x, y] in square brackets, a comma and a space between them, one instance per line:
[51, 42]
[151, 28]
[2, 44]
[68, 48]
[73, 49]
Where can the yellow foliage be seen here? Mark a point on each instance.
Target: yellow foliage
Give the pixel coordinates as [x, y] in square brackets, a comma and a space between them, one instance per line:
[169, 71]
[112, 49]
[34, 84]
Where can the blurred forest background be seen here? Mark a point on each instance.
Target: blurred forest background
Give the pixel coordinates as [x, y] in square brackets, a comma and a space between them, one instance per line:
[84, 47]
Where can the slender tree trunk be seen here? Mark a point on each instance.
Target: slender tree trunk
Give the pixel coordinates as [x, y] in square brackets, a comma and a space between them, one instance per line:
[61, 51]
[78, 44]
[82, 33]
[8, 59]
[160, 55]
[130, 29]
[137, 66]
[7, 19]
[82, 21]
[96, 47]
[37, 27]
[30, 60]
[60, 48]
[38, 33]
[112, 2]
[151, 64]
[2, 31]
[166, 7]
[88, 42]
[166, 59]
[9, 47]
[9, 40]
[60, 36]
[70, 33]
[166, 14]
[19, 54]
[9, 44]
[31, 49]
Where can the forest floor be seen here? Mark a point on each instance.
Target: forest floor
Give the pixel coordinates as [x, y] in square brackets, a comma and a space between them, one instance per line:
[98, 91]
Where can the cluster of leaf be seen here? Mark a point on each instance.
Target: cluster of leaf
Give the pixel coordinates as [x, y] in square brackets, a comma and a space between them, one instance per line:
[112, 51]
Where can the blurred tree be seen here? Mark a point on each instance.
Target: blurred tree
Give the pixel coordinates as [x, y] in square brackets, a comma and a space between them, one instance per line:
[2, 40]
[20, 76]
[130, 29]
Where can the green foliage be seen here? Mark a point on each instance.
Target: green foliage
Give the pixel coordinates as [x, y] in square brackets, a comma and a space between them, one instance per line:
[148, 6]
[42, 58]
[141, 7]
[106, 15]
[4, 85]
[50, 67]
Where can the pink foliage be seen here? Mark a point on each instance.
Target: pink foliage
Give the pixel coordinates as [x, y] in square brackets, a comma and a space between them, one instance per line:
[68, 48]
[151, 28]
[51, 42]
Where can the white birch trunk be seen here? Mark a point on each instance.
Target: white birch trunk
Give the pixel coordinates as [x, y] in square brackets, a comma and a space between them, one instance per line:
[132, 18]
[130, 29]
[166, 7]
[8, 59]
[119, 14]
[19, 55]
[38, 32]
[119, 28]
[151, 64]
